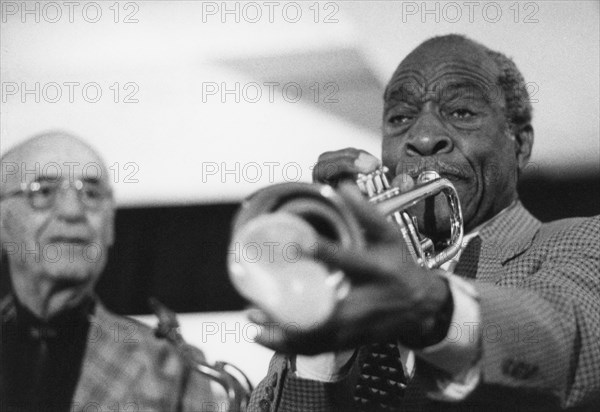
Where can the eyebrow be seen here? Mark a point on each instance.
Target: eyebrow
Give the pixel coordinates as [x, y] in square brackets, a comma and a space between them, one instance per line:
[402, 93]
[464, 91]
[464, 85]
[409, 89]
[93, 180]
[460, 92]
[52, 179]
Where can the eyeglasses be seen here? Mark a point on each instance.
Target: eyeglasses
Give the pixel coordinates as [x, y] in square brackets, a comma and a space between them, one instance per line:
[42, 194]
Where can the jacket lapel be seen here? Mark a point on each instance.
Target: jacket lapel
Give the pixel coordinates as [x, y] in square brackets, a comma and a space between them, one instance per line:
[508, 235]
[106, 365]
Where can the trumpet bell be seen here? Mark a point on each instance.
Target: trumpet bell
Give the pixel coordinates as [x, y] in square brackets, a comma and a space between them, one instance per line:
[318, 205]
[275, 232]
[278, 228]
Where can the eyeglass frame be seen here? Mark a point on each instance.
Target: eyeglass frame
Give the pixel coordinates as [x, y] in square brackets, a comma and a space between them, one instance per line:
[77, 184]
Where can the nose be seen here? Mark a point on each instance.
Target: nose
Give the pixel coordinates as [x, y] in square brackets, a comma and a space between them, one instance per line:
[68, 206]
[427, 136]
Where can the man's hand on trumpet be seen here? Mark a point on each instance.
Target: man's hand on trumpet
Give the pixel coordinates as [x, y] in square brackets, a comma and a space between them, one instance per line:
[390, 297]
[336, 166]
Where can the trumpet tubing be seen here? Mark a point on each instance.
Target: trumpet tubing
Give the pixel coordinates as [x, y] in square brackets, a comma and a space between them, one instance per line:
[392, 203]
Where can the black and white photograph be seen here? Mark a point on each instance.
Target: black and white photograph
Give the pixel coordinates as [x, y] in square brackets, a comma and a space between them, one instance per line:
[299, 206]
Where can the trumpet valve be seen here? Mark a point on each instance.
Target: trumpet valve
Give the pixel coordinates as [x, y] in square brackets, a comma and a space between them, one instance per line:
[374, 183]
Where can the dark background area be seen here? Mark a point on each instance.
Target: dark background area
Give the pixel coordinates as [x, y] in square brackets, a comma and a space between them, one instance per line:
[177, 254]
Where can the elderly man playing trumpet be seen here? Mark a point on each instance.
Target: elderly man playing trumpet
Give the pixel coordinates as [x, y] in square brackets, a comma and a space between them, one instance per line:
[514, 324]
[58, 349]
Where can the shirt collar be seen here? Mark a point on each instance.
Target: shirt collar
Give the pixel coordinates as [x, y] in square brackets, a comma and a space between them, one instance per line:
[451, 264]
[478, 229]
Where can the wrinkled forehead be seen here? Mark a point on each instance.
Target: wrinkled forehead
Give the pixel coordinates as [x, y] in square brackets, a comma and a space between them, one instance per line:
[439, 68]
[52, 159]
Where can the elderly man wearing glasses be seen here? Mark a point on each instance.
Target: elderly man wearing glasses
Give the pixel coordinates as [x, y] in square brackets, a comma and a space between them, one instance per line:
[58, 350]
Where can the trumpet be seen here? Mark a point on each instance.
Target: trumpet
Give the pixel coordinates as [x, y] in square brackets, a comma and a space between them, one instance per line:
[392, 203]
[236, 385]
[305, 292]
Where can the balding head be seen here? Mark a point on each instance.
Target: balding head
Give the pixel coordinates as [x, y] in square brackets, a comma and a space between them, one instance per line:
[436, 50]
[54, 154]
[503, 78]
[56, 220]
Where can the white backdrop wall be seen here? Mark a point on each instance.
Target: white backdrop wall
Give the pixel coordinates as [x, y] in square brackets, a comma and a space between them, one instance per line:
[171, 132]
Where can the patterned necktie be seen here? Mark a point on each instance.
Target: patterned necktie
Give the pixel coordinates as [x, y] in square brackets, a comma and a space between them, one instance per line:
[382, 381]
[469, 258]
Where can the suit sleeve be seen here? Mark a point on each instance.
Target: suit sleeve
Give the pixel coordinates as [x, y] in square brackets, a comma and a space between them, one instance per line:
[542, 331]
[282, 391]
[539, 335]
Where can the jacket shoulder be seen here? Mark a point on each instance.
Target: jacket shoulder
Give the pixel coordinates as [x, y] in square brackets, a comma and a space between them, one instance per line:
[126, 363]
[140, 343]
[575, 227]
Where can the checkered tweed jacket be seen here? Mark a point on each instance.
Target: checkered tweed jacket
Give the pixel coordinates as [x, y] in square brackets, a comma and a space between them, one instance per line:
[126, 368]
[539, 288]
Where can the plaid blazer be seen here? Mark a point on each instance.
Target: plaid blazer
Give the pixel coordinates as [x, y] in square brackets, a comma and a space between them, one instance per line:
[126, 368]
[539, 289]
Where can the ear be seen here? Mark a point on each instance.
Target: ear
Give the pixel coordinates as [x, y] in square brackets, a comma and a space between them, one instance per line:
[110, 226]
[8, 243]
[3, 233]
[4, 225]
[523, 145]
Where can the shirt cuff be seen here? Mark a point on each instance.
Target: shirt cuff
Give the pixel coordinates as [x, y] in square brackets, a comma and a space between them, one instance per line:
[325, 367]
[458, 354]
